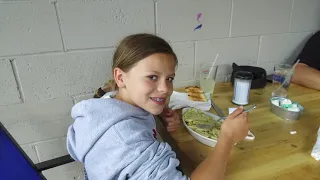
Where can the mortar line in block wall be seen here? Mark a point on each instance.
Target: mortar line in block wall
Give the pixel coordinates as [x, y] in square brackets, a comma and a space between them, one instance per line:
[37, 153]
[233, 37]
[92, 49]
[231, 17]
[11, 2]
[31, 54]
[73, 100]
[256, 35]
[59, 25]
[290, 19]
[17, 79]
[198, 40]
[58, 52]
[155, 17]
[34, 143]
[259, 50]
[194, 61]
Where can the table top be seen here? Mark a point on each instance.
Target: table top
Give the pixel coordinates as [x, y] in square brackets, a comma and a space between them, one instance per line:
[275, 153]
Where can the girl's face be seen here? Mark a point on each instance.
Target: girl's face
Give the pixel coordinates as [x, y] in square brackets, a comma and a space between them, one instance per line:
[149, 83]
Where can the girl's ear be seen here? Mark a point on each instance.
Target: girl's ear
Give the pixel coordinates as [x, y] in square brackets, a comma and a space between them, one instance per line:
[118, 75]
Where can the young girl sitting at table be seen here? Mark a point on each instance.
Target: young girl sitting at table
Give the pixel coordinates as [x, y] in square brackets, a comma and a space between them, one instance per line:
[115, 137]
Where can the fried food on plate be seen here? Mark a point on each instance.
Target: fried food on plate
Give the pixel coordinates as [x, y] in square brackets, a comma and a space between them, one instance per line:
[195, 93]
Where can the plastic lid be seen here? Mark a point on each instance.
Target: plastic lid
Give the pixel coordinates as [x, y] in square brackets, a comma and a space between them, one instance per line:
[245, 75]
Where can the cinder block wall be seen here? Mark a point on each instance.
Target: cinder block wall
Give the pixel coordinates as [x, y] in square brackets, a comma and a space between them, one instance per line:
[56, 53]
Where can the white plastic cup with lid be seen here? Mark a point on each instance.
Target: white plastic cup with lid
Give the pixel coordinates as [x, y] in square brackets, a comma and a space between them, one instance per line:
[242, 86]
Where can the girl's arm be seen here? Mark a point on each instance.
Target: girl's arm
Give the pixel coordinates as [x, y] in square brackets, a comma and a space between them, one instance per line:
[214, 166]
[234, 129]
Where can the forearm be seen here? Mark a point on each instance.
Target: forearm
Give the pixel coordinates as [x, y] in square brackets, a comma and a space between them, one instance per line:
[306, 76]
[214, 166]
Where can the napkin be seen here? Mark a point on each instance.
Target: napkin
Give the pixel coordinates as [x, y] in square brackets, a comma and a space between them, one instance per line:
[231, 110]
[180, 100]
[250, 136]
[316, 148]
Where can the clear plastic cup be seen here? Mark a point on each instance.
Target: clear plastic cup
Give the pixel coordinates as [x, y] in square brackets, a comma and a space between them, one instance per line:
[208, 73]
[281, 72]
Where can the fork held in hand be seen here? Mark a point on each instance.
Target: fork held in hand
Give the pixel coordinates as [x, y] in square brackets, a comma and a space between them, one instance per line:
[209, 126]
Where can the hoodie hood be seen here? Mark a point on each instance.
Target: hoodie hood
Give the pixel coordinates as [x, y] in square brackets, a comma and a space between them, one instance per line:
[93, 118]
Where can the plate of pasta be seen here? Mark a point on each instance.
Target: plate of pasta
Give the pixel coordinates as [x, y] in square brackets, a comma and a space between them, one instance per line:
[192, 116]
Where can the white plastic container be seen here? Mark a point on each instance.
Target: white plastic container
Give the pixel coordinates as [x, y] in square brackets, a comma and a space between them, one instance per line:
[242, 86]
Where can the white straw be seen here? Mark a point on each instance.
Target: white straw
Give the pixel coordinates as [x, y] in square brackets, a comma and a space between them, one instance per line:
[288, 75]
[213, 65]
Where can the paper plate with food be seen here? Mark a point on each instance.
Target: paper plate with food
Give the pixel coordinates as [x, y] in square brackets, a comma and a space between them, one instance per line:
[193, 97]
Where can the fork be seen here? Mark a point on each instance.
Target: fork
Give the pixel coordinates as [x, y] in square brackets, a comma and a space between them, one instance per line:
[210, 126]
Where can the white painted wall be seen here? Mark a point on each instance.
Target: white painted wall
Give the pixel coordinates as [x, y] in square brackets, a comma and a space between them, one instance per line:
[56, 53]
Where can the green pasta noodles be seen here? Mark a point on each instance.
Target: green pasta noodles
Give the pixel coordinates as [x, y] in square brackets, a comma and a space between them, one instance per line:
[193, 116]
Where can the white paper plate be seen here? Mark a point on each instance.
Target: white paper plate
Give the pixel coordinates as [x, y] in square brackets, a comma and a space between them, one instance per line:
[204, 140]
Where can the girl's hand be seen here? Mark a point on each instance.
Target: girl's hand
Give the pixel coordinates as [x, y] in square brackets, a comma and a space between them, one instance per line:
[171, 119]
[235, 126]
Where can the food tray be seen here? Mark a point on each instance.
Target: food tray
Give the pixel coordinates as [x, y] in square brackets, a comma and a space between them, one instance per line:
[284, 113]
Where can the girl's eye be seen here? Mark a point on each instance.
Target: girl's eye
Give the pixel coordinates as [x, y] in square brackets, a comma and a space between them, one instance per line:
[171, 79]
[153, 77]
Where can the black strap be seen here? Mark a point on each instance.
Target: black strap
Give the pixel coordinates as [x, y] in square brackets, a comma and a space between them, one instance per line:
[99, 93]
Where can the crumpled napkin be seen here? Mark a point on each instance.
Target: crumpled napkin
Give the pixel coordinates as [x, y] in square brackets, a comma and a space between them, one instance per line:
[180, 100]
[250, 136]
[316, 148]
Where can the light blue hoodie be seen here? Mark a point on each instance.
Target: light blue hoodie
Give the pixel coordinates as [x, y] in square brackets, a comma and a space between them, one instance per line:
[116, 140]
